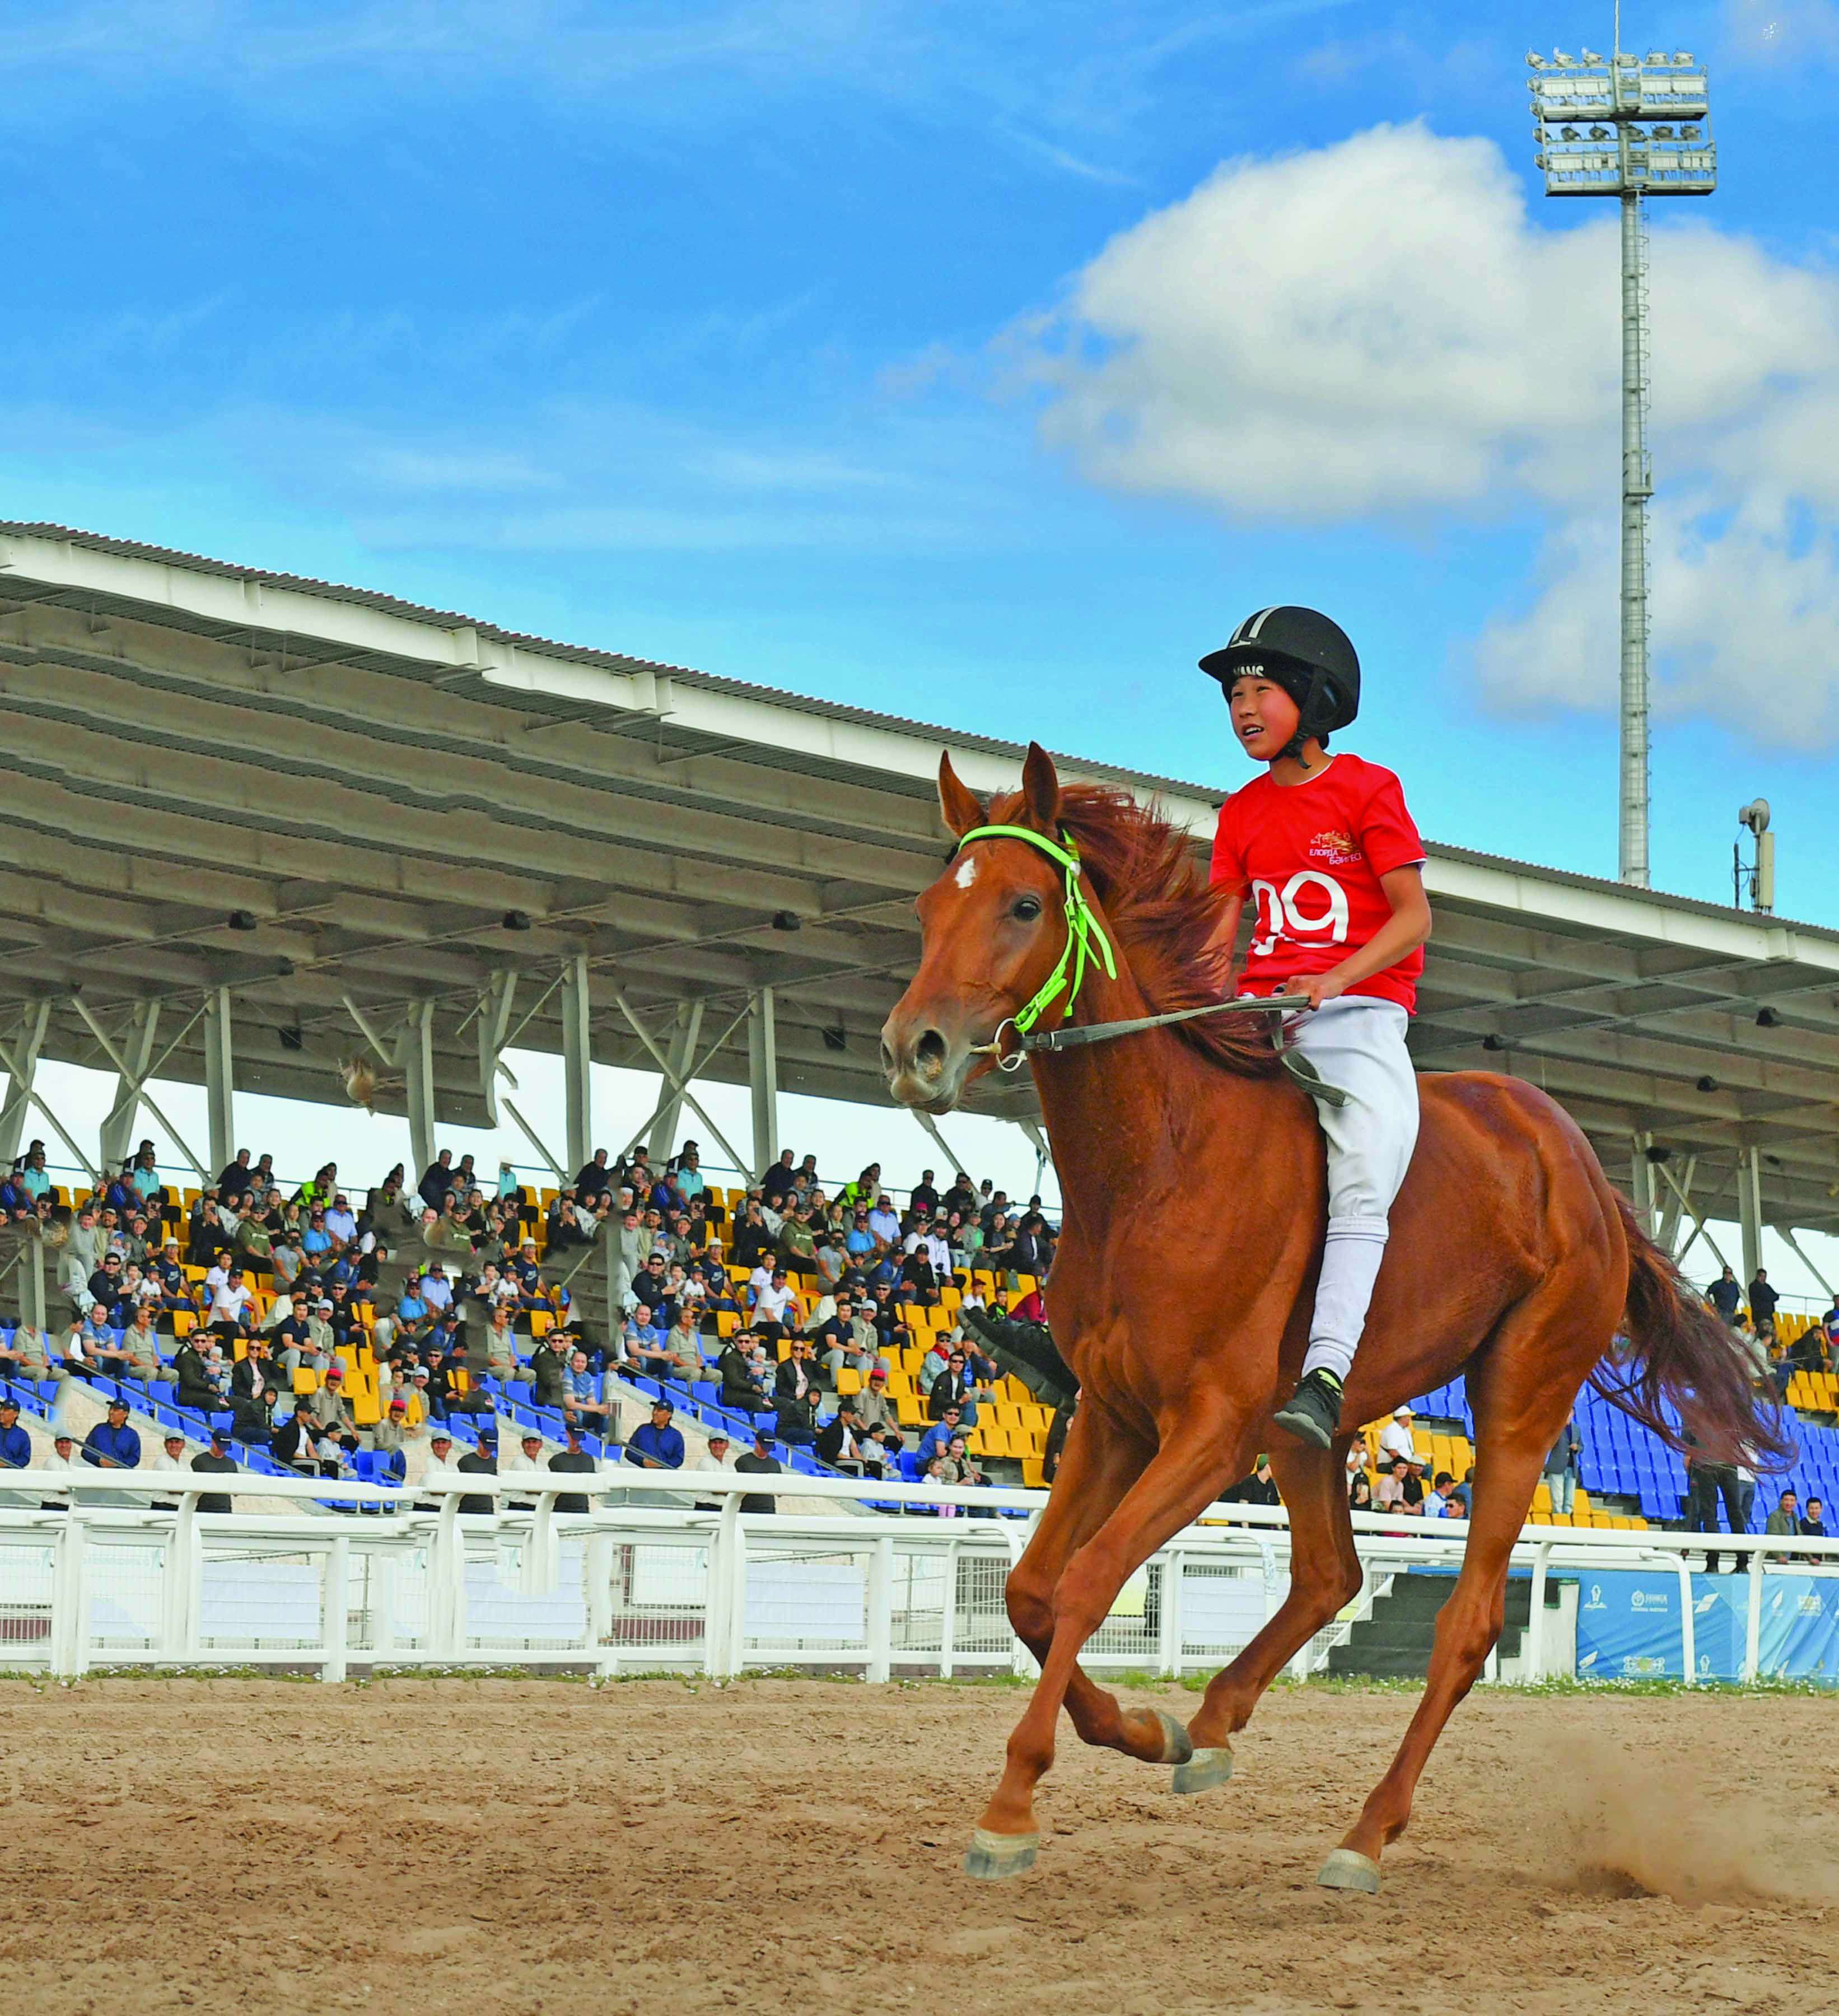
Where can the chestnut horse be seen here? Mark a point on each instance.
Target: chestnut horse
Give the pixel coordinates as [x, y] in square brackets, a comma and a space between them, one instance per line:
[1193, 1197]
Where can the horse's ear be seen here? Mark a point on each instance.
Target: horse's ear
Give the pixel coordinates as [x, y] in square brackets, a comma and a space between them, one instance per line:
[1040, 789]
[956, 801]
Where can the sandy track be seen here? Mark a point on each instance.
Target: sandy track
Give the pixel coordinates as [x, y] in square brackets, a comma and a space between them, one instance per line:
[424, 1846]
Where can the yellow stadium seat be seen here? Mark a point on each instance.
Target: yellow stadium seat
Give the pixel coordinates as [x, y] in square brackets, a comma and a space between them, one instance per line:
[909, 1413]
[727, 1322]
[541, 1322]
[183, 1323]
[848, 1381]
[1033, 1476]
[305, 1381]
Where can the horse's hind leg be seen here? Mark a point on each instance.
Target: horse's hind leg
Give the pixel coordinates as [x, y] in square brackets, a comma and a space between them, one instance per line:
[1522, 1386]
[1325, 1576]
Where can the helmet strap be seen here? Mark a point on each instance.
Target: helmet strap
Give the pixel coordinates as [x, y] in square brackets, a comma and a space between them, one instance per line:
[1304, 731]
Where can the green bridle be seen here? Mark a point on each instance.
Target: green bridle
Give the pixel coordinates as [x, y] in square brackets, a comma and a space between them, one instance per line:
[1084, 931]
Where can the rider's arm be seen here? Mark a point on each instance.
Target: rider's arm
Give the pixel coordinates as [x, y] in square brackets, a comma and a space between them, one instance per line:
[1403, 932]
[1226, 934]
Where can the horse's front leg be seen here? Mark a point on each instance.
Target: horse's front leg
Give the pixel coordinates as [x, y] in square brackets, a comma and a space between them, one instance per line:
[1179, 1481]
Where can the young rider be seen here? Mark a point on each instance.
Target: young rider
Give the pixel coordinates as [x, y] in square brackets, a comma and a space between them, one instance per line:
[1325, 850]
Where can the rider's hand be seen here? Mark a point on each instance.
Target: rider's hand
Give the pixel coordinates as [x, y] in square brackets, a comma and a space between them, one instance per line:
[1319, 987]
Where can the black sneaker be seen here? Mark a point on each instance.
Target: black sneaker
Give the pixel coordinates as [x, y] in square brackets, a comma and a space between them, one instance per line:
[1315, 1410]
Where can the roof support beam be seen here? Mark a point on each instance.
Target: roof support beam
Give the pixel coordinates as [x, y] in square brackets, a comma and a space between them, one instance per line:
[1749, 1209]
[1668, 1236]
[679, 1086]
[673, 1093]
[220, 1078]
[415, 1053]
[117, 1127]
[115, 1057]
[22, 1067]
[577, 1092]
[1700, 1229]
[763, 1081]
[684, 1031]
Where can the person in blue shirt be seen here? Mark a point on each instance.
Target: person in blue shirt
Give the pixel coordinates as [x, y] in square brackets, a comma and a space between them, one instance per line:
[16, 1445]
[655, 1444]
[112, 1444]
[937, 1441]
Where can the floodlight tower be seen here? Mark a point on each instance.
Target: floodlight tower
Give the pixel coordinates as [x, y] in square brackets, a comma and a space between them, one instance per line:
[1627, 127]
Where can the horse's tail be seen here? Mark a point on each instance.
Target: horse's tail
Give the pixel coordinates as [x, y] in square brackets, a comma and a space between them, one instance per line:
[1686, 1359]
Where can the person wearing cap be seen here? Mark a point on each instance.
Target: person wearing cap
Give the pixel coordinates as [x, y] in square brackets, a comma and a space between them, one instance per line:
[294, 1439]
[16, 1445]
[655, 1444]
[875, 1404]
[1396, 1438]
[480, 1461]
[714, 1459]
[215, 1460]
[526, 1455]
[112, 1444]
[759, 1461]
[572, 1459]
[229, 1305]
[391, 1432]
[440, 1465]
[839, 1444]
[64, 1458]
[332, 1410]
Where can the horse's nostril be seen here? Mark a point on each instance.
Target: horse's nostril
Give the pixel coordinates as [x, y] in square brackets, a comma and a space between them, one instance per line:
[928, 1053]
[887, 1061]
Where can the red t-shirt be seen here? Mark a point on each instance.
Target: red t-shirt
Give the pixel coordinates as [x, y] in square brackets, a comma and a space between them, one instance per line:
[1311, 855]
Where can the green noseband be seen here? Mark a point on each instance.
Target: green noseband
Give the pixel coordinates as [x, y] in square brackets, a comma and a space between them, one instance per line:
[1084, 934]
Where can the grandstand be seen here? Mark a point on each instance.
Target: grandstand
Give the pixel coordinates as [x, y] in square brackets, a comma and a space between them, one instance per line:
[365, 826]
[581, 1289]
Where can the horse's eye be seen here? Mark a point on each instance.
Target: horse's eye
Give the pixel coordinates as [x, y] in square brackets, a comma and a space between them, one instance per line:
[1027, 908]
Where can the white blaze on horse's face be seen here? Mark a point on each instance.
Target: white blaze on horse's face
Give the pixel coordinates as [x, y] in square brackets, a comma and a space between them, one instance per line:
[967, 872]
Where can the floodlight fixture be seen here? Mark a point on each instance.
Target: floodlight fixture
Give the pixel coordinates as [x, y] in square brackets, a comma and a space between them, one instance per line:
[1637, 147]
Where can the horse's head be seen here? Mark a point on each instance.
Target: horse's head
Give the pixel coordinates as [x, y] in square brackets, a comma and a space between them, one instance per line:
[991, 927]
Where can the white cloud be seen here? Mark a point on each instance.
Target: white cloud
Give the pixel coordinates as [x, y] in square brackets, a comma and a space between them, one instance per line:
[1378, 330]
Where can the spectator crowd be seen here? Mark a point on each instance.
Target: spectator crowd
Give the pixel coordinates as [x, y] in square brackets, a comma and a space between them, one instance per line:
[415, 1310]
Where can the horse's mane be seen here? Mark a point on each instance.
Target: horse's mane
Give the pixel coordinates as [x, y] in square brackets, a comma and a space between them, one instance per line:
[1163, 910]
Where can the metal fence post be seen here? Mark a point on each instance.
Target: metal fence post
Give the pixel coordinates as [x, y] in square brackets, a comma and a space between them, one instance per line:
[880, 1619]
[334, 1601]
[69, 1625]
[184, 1579]
[1752, 1618]
[948, 1622]
[598, 1557]
[1020, 1659]
[1688, 1625]
[1533, 1660]
[1168, 1644]
[446, 1580]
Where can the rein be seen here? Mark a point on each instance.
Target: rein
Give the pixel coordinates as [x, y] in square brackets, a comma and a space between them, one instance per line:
[1084, 932]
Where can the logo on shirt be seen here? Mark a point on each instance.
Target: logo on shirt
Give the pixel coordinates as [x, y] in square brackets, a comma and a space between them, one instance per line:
[1338, 849]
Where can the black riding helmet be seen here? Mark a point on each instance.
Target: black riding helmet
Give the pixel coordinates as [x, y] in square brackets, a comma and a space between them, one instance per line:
[1306, 653]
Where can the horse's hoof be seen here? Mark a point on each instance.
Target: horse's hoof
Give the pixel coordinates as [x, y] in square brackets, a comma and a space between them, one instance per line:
[1203, 1770]
[1347, 1869]
[1177, 1746]
[992, 1856]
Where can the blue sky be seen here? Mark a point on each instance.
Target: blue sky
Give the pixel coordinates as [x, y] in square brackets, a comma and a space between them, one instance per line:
[782, 339]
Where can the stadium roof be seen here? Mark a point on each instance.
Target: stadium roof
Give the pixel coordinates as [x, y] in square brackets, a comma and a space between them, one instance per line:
[327, 799]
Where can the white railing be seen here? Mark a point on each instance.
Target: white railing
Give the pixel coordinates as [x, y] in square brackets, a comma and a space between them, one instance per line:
[120, 1569]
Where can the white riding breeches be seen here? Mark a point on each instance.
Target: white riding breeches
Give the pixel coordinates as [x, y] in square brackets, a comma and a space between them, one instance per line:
[1357, 1044]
